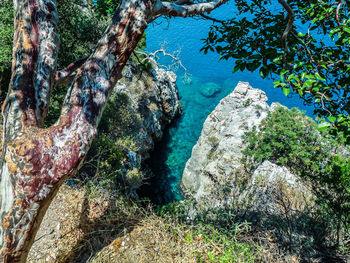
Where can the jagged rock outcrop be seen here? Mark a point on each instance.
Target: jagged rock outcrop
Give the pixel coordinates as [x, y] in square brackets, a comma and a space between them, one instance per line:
[154, 98]
[215, 174]
[149, 102]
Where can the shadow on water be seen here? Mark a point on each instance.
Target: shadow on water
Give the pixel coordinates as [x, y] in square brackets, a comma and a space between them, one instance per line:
[162, 187]
[168, 159]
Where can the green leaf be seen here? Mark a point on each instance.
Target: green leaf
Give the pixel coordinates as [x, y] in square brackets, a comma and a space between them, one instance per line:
[283, 71]
[332, 118]
[300, 91]
[323, 125]
[263, 72]
[293, 77]
[319, 77]
[277, 60]
[308, 83]
[347, 29]
[298, 65]
[286, 91]
[235, 69]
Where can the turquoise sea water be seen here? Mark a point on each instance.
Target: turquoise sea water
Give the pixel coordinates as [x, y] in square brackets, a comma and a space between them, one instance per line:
[207, 74]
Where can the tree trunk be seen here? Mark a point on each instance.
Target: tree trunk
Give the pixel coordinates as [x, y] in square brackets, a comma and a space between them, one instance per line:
[36, 161]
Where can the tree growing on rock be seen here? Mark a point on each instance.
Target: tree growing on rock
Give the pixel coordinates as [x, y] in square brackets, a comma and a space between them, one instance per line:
[35, 160]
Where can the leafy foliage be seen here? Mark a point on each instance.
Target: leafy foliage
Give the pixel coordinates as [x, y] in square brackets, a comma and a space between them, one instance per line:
[105, 7]
[79, 28]
[315, 61]
[6, 42]
[109, 162]
[289, 138]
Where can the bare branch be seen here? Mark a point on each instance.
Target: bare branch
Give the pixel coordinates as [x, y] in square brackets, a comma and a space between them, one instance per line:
[211, 18]
[66, 75]
[337, 12]
[153, 59]
[173, 9]
[287, 7]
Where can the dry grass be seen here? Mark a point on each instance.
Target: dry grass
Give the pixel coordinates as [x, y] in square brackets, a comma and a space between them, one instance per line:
[98, 228]
[154, 240]
[76, 225]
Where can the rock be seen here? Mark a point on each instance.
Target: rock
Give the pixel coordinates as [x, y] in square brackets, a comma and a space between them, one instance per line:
[218, 150]
[152, 102]
[209, 89]
[215, 174]
[271, 184]
[154, 98]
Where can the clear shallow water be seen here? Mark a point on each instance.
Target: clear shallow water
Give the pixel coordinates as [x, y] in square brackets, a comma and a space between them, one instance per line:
[169, 158]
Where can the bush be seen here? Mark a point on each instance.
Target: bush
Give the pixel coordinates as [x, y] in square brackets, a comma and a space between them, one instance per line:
[289, 138]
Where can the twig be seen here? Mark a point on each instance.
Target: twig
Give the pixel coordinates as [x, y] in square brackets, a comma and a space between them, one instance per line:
[337, 12]
[305, 46]
[212, 19]
[153, 59]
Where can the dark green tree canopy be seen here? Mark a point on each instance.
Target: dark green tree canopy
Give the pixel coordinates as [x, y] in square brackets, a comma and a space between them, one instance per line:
[302, 45]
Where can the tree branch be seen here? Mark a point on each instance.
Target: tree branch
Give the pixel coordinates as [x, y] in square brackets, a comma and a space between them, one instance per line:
[174, 9]
[38, 160]
[337, 12]
[211, 18]
[34, 62]
[305, 47]
[66, 75]
[287, 7]
[153, 59]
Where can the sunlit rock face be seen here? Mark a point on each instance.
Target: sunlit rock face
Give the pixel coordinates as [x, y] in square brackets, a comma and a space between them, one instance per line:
[215, 175]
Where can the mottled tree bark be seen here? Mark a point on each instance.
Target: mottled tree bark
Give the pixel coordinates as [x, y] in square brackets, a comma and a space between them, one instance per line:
[35, 161]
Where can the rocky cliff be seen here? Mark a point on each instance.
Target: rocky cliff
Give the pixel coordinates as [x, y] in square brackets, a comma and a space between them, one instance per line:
[215, 174]
[141, 105]
[154, 99]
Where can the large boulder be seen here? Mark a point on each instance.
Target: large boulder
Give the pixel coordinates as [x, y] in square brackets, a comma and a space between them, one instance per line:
[210, 89]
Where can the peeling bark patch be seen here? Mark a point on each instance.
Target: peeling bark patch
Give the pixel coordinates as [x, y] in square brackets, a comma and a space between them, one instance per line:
[34, 62]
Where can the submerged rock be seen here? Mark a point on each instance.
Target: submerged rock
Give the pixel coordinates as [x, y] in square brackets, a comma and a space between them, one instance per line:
[210, 89]
[215, 174]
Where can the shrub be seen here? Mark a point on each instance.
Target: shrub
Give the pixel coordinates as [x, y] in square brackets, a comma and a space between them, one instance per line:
[289, 138]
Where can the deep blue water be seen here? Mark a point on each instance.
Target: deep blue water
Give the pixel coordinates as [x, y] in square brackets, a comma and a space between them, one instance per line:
[169, 158]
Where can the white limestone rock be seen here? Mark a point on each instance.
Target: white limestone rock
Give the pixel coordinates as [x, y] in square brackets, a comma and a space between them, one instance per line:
[218, 150]
[215, 173]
